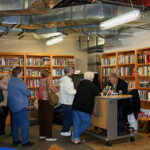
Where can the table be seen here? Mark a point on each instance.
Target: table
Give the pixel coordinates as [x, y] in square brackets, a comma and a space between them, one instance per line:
[108, 118]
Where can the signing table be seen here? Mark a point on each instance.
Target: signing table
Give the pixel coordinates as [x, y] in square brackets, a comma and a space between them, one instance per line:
[107, 117]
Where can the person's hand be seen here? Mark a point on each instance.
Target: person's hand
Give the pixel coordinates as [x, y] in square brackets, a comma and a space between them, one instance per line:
[110, 92]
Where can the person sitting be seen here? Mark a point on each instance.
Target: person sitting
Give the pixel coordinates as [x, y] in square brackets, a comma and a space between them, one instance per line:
[118, 84]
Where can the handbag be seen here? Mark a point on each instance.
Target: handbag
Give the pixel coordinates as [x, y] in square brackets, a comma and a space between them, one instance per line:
[52, 97]
[1, 96]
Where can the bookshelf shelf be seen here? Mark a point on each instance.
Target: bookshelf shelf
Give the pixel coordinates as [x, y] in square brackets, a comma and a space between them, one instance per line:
[126, 64]
[126, 76]
[33, 76]
[33, 64]
[109, 66]
[133, 66]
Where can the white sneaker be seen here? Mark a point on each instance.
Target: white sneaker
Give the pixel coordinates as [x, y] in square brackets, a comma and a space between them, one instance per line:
[51, 139]
[42, 137]
[65, 133]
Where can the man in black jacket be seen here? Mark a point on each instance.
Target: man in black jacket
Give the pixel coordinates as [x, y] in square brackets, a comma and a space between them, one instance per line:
[83, 106]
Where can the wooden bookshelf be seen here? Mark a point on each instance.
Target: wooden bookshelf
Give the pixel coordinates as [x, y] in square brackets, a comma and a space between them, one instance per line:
[132, 66]
[33, 64]
[58, 64]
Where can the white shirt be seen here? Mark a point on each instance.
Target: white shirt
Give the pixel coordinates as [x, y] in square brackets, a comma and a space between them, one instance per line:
[66, 91]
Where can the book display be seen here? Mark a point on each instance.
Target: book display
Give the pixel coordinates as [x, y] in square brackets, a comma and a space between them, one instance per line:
[133, 66]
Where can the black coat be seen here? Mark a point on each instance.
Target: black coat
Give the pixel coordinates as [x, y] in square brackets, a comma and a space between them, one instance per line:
[84, 98]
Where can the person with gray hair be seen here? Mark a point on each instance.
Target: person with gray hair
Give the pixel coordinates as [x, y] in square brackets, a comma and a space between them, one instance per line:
[66, 96]
[83, 105]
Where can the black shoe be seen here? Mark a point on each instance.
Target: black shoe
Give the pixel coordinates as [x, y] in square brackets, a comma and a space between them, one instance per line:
[16, 143]
[28, 144]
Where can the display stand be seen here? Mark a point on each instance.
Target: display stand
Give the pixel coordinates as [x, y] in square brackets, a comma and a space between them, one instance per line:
[107, 118]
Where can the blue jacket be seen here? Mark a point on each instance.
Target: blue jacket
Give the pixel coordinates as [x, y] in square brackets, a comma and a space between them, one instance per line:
[17, 94]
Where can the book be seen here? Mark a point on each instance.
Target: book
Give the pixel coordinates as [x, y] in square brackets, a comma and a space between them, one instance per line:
[107, 90]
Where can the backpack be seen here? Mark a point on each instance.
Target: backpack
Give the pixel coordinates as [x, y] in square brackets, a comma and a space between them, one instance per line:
[1, 96]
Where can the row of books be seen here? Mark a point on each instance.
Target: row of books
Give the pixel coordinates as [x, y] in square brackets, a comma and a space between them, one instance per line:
[125, 59]
[33, 72]
[126, 71]
[144, 83]
[58, 72]
[33, 82]
[4, 70]
[108, 71]
[16, 61]
[56, 82]
[144, 94]
[131, 84]
[143, 71]
[109, 61]
[63, 61]
[45, 61]
[34, 93]
[144, 58]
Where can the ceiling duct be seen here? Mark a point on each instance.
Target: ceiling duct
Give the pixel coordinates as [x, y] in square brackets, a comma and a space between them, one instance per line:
[92, 43]
[9, 5]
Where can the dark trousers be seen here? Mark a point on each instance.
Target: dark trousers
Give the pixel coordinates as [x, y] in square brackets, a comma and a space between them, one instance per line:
[67, 118]
[45, 118]
[20, 119]
[3, 115]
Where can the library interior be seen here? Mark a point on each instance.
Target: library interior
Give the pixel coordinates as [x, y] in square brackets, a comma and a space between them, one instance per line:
[93, 56]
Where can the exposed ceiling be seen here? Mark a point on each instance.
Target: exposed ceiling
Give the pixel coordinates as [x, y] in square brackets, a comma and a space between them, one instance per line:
[80, 17]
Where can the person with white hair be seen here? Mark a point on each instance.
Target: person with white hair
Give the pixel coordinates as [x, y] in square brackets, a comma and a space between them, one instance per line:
[83, 105]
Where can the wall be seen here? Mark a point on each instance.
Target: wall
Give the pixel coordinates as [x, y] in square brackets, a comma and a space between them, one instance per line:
[30, 45]
[69, 47]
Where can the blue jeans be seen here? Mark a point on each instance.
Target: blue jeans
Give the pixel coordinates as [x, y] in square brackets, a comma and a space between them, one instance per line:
[67, 117]
[20, 119]
[81, 121]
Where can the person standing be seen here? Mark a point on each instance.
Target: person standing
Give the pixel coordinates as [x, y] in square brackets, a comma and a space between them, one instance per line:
[66, 96]
[45, 109]
[4, 105]
[83, 105]
[18, 101]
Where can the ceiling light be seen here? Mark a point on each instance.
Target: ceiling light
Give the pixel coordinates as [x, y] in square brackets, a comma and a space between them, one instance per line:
[47, 35]
[54, 40]
[128, 17]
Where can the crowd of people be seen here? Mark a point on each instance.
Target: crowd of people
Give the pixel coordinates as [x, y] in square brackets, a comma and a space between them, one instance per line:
[77, 104]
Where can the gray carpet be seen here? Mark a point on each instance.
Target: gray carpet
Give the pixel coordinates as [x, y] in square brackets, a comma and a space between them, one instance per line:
[64, 142]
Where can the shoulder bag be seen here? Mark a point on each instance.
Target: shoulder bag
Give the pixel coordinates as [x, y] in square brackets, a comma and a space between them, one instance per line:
[52, 97]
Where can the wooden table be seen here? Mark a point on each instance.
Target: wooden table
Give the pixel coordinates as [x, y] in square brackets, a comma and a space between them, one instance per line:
[108, 117]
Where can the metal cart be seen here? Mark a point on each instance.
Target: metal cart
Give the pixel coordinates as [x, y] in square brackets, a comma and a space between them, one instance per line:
[108, 119]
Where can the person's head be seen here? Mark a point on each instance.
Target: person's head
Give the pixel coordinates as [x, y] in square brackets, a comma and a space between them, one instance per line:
[113, 78]
[17, 72]
[68, 70]
[89, 75]
[45, 73]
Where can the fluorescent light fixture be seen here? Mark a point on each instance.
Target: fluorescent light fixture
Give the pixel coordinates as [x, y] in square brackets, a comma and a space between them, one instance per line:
[54, 40]
[46, 35]
[128, 17]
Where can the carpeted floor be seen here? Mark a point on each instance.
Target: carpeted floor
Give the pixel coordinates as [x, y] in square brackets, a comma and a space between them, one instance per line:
[63, 142]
